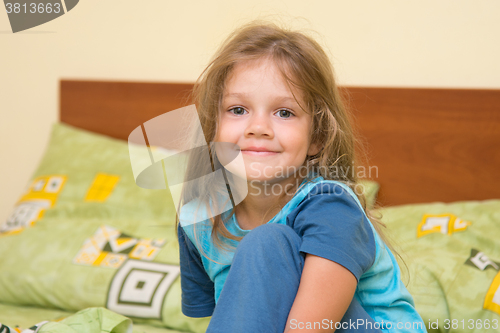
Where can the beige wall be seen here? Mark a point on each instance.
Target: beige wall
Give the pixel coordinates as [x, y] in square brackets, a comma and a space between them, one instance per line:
[419, 43]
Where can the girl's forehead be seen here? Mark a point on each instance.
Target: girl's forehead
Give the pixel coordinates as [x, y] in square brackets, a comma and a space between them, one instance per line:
[264, 64]
[247, 74]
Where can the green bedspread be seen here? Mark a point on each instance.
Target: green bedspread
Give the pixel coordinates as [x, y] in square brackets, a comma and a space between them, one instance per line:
[451, 262]
[91, 320]
[84, 235]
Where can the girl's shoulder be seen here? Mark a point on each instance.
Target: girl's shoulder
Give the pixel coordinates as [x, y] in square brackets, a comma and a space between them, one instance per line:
[319, 186]
[336, 199]
[318, 193]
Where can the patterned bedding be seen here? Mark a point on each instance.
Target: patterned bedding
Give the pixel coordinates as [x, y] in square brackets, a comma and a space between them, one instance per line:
[452, 252]
[83, 236]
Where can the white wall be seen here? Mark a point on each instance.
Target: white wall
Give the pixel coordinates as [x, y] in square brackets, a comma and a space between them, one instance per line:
[418, 43]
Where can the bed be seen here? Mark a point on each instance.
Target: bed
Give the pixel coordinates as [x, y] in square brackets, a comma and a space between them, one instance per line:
[85, 244]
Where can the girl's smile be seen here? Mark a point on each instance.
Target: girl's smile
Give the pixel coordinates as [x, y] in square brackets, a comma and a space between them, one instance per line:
[258, 151]
[260, 114]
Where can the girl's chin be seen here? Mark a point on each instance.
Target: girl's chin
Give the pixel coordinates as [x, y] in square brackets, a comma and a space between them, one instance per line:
[264, 175]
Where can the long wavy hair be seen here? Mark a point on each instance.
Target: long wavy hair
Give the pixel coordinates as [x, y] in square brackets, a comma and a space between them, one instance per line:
[304, 65]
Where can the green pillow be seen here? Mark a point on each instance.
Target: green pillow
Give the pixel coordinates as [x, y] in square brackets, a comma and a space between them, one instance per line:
[451, 262]
[85, 235]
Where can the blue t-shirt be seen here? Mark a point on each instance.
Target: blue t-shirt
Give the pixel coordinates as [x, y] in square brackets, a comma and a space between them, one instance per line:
[332, 224]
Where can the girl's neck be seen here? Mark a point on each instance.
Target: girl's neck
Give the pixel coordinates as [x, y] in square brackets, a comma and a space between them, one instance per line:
[264, 201]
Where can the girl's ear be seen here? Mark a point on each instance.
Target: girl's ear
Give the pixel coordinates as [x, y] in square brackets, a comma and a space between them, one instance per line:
[314, 148]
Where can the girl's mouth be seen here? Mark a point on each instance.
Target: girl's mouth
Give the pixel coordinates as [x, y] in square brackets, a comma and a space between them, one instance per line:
[258, 151]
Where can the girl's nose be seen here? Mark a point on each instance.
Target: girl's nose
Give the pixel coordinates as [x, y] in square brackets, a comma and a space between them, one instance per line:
[259, 125]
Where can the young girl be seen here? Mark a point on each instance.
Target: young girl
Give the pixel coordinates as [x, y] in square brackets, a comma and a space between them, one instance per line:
[298, 253]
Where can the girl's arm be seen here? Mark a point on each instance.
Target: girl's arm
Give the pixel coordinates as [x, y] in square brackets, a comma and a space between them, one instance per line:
[197, 288]
[325, 291]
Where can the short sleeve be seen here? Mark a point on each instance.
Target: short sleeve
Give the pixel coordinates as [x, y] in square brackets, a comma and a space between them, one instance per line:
[197, 288]
[333, 226]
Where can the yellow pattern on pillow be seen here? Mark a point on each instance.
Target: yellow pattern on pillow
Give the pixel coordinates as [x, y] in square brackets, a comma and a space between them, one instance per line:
[101, 187]
[109, 247]
[42, 194]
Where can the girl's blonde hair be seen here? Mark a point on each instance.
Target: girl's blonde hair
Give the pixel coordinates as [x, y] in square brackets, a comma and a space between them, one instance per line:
[303, 65]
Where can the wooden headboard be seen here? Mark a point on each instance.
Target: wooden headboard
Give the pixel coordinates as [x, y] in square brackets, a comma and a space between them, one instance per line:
[427, 144]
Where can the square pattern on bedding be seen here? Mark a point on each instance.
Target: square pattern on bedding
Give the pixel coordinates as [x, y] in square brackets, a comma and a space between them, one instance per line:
[451, 261]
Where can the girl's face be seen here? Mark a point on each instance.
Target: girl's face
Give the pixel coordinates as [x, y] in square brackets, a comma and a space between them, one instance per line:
[260, 115]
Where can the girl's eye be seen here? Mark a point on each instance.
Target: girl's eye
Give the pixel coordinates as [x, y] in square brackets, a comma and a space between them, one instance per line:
[284, 113]
[239, 111]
